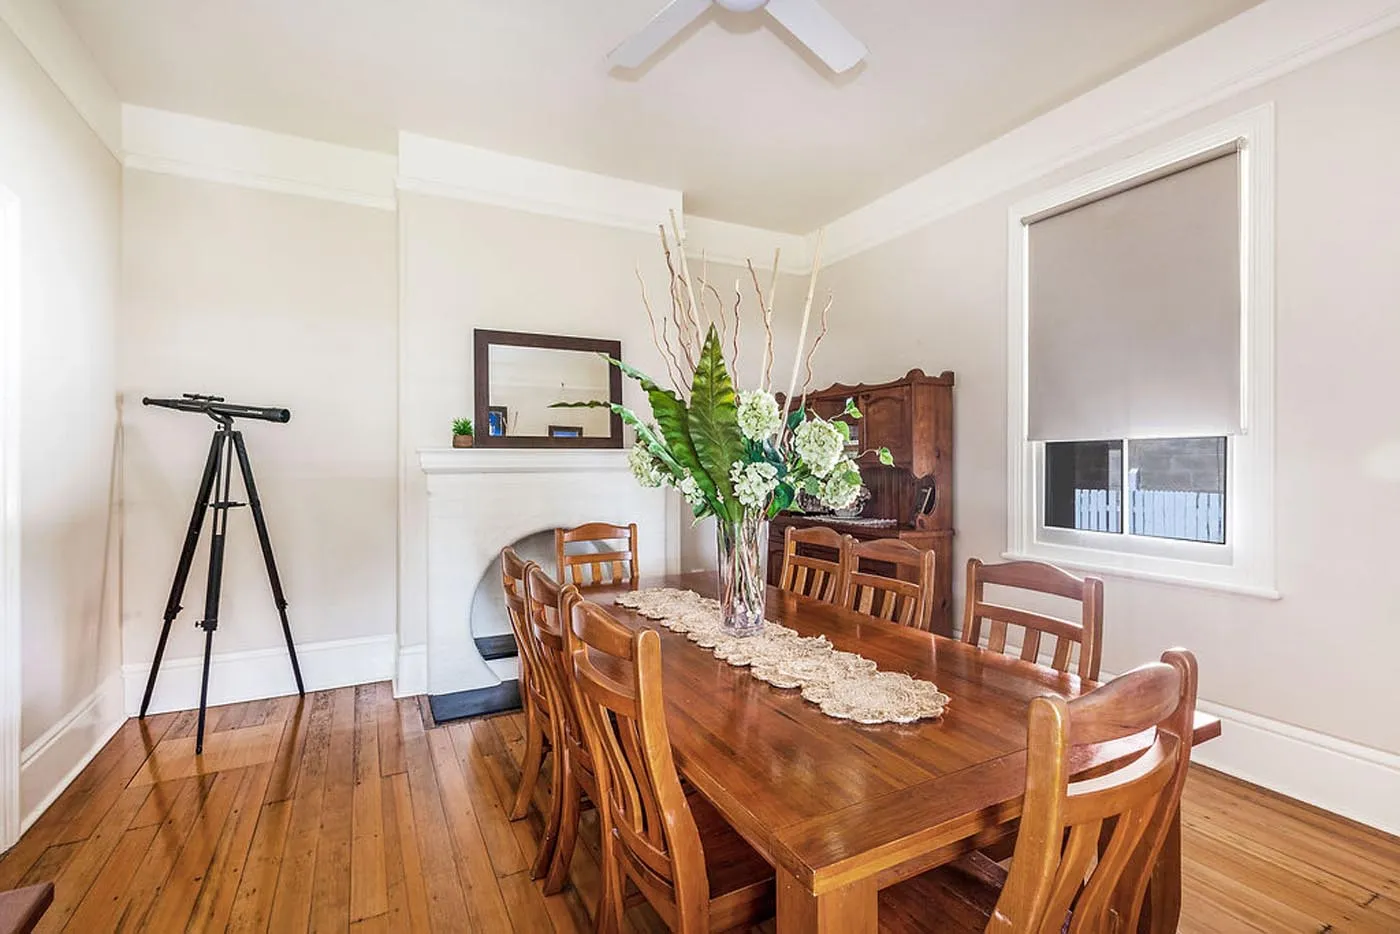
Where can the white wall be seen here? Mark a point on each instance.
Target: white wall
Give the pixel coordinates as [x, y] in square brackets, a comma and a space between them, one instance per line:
[266, 299]
[68, 186]
[1321, 657]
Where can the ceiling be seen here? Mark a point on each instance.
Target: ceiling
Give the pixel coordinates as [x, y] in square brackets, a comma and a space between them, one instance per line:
[733, 113]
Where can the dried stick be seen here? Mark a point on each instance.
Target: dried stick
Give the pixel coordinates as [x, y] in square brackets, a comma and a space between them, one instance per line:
[723, 330]
[663, 346]
[767, 313]
[685, 273]
[807, 383]
[768, 320]
[677, 305]
[802, 332]
[738, 300]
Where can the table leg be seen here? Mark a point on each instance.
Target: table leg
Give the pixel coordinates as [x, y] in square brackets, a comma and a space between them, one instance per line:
[1163, 908]
[849, 910]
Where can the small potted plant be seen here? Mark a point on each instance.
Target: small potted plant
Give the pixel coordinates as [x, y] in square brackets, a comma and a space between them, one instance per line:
[462, 433]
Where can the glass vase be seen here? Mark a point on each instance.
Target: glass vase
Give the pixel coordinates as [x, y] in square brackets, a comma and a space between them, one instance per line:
[742, 547]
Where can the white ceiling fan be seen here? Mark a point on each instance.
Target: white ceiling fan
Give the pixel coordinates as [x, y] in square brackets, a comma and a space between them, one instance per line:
[807, 20]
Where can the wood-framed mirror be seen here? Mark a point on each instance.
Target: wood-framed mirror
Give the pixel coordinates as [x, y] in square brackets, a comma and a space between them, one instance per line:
[520, 375]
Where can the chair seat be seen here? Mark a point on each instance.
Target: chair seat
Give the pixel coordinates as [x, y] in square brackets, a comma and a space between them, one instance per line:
[20, 909]
[742, 886]
[959, 897]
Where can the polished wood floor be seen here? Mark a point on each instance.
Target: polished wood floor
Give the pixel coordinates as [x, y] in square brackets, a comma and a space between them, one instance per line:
[350, 812]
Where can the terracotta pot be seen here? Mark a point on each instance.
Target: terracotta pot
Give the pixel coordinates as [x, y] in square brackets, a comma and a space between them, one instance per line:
[461, 441]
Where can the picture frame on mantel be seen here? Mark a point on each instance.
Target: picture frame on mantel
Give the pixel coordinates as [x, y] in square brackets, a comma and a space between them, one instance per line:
[484, 339]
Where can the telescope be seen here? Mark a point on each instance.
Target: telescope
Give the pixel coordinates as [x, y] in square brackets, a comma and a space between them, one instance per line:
[215, 495]
[219, 410]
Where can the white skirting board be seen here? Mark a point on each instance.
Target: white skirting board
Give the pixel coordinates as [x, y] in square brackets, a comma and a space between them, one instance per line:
[1337, 775]
[243, 676]
[50, 763]
[411, 678]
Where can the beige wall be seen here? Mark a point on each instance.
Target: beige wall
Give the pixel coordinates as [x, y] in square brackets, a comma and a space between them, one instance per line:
[1321, 657]
[266, 299]
[68, 186]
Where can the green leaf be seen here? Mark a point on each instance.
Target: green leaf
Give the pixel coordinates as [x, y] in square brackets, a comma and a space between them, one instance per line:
[673, 419]
[885, 456]
[782, 499]
[844, 428]
[851, 409]
[795, 418]
[713, 417]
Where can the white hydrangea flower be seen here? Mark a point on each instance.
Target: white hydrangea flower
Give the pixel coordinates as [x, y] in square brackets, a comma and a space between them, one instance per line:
[753, 483]
[645, 466]
[759, 416]
[820, 444]
[842, 487]
[690, 489]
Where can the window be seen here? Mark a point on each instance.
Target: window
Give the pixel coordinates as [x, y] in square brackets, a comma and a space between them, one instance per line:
[1141, 371]
[1175, 487]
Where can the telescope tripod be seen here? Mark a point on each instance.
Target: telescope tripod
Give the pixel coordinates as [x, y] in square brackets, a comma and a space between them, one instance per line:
[214, 494]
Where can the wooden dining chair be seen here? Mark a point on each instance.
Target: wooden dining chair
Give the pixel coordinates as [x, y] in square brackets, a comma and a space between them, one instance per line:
[1087, 849]
[538, 708]
[814, 576]
[595, 568]
[573, 776]
[1043, 578]
[692, 867]
[896, 599]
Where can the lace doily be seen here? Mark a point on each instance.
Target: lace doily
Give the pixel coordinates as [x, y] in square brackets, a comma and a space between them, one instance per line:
[842, 684]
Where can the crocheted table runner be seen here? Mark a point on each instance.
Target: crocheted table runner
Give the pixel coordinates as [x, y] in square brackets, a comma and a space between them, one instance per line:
[843, 684]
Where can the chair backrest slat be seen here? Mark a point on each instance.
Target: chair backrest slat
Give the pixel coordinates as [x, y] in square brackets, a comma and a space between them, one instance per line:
[898, 599]
[618, 677]
[547, 608]
[1036, 577]
[1086, 849]
[515, 584]
[596, 568]
[814, 575]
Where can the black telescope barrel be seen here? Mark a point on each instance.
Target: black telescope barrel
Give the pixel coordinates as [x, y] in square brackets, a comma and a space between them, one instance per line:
[206, 407]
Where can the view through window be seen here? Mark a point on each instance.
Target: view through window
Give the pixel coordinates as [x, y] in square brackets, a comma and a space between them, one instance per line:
[1175, 487]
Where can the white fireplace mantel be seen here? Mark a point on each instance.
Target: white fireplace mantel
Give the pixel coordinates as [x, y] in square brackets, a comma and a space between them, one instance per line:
[482, 499]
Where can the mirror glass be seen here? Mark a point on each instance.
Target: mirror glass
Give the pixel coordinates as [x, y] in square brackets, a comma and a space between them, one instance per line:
[526, 381]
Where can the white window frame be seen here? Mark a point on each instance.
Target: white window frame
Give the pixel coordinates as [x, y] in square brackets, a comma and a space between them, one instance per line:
[1245, 563]
[10, 661]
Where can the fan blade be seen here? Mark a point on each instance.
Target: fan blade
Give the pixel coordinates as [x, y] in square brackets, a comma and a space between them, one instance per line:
[818, 30]
[664, 27]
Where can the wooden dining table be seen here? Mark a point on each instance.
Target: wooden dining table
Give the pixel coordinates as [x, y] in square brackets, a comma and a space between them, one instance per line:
[842, 810]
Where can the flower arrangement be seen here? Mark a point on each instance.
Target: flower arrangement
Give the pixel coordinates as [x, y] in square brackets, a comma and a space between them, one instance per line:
[740, 456]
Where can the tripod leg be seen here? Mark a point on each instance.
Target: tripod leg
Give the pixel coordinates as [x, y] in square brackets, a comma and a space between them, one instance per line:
[182, 569]
[203, 692]
[214, 585]
[272, 576]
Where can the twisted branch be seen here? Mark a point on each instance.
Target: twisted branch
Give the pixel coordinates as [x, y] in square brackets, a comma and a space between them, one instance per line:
[663, 345]
[807, 384]
[678, 315]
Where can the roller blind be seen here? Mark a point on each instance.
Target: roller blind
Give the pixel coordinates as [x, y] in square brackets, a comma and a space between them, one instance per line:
[1134, 308]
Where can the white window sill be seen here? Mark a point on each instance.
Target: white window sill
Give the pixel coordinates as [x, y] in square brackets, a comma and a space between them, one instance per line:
[1176, 573]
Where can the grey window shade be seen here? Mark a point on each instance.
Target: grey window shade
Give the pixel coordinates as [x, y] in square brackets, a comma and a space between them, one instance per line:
[1134, 310]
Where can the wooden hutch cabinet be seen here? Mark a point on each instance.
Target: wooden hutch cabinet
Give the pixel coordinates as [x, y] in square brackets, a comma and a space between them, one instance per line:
[912, 500]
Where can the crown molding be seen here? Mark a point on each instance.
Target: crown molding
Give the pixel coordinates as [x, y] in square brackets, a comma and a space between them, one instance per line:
[1259, 45]
[724, 242]
[42, 30]
[193, 147]
[453, 170]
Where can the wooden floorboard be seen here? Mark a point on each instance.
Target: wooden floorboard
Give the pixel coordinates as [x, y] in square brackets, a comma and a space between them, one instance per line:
[347, 812]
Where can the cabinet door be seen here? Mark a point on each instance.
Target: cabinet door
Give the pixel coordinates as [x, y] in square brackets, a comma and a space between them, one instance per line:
[887, 422]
